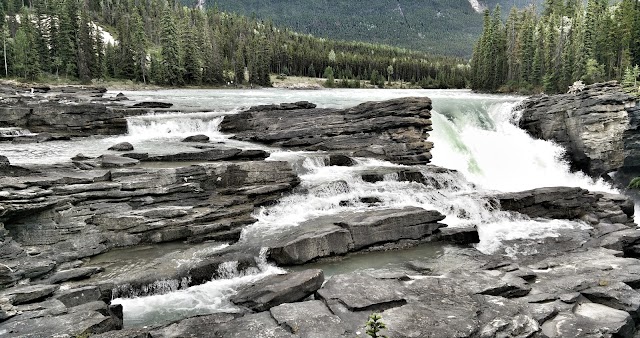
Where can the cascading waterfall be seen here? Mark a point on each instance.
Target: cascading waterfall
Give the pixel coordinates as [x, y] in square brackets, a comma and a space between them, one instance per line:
[196, 300]
[476, 137]
[175, 125]
[499, 155]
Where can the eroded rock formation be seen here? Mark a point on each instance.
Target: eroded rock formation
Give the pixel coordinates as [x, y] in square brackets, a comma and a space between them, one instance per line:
[598, 127]
[394, 130]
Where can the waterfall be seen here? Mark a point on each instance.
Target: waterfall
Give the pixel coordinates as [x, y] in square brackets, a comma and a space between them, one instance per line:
[175, 126]
[476, 135]
[196, 300]
[499, 155]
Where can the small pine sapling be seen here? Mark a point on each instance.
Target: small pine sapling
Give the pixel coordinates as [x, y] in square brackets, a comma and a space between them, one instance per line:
[375, 326]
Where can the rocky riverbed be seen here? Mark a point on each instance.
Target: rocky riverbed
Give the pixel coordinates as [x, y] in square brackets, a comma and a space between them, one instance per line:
[175, 220]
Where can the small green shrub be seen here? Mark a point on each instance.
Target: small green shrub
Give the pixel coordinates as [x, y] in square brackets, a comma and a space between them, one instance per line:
[634, 184]
[375, 325]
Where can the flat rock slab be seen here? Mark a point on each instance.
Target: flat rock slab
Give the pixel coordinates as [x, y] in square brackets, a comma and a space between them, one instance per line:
[25, 294]
[73, 274]
[278, 289]
[311, 319]
[191, 327]
[79, 296]
[153, 104]
[590, 320]
[66, 325]
[254, 325]
[111, 161]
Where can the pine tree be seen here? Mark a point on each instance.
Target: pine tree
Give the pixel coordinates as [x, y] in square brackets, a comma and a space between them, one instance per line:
[171, 58]
[192, 58]
[27, 59]
[85, 51]
[630, 80]
[139, 46]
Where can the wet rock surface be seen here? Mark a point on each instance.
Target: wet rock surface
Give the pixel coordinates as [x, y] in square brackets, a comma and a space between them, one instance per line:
[598, 126]
[394, 130]
[65, 112]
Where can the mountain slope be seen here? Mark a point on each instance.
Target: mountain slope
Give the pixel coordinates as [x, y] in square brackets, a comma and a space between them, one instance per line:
[438, 26]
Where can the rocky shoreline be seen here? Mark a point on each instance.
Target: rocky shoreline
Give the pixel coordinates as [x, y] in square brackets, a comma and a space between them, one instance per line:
[581, 283]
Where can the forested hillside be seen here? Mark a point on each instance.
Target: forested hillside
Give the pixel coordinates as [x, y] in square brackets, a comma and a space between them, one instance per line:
[168, 44]
[568, 41]
[447, 27]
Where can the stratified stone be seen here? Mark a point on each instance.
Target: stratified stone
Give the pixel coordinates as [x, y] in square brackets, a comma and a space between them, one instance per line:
[597, 126]
[311, 319]
[278, 289]
[25, 294]
[111, 161]
[394, 130]
[590, 320]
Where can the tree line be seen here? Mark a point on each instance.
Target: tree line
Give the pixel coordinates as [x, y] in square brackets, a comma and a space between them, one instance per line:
[165, 43]
[548, 51]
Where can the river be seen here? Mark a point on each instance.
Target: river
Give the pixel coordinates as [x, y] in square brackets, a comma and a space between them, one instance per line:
[475, 134]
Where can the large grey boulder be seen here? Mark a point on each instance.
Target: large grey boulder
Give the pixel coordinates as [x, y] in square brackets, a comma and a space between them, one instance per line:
[278, 289]
[122, 146]
[196, 138]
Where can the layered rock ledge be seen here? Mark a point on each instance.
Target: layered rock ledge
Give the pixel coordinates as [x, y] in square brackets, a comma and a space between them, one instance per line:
[394, 130]
[597, 126]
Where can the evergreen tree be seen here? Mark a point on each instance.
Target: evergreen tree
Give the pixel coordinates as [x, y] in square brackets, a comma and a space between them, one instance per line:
[171, 58]
[139, 47]
[192, 58]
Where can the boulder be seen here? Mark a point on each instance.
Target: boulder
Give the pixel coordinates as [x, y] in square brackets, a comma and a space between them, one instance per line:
[4, 162]
[122, 146]
[79, 296]
[197, 138]
[341, 160]
[279, 289]
[153, 105]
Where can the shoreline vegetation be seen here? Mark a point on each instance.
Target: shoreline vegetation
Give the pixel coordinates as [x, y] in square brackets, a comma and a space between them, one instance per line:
[277, 81]
[550, 50]
[169, 45]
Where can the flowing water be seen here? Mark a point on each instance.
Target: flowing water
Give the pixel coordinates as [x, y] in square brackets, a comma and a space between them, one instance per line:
[474, 134]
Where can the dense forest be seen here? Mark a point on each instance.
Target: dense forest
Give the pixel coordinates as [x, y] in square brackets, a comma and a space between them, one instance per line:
[170, 44]
[568, 41]
[437, 26]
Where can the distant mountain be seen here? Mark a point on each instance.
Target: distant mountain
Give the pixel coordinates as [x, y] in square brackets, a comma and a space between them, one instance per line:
[448, 27]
